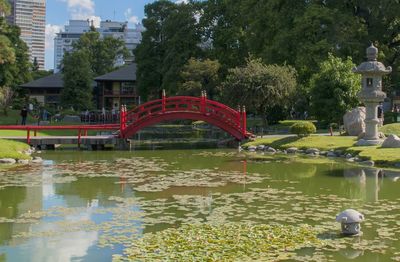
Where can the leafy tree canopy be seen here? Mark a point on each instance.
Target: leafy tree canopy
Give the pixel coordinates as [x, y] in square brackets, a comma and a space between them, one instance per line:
[77, 91]
[333, 90]
[260, 87]
[102, 53]
[170, 39]
[198, 75]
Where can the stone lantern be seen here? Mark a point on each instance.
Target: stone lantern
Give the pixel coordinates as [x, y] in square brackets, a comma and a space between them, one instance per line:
[371, 94]
[350, 220]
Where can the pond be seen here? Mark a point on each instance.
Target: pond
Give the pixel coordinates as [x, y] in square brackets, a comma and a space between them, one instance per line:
[89, 206]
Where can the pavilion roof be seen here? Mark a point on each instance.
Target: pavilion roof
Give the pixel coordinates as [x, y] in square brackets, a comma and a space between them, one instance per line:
[125, 73]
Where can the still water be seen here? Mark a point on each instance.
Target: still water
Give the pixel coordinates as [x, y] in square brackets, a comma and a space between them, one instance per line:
[88, 206]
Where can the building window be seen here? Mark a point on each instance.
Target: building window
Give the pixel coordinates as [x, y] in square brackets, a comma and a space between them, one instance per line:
[128, 88]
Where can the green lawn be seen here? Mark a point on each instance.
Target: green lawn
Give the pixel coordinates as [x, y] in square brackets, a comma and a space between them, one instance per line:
[381, 156]
[391, 129]
[13, 118]
[12, 149]
[320, 142]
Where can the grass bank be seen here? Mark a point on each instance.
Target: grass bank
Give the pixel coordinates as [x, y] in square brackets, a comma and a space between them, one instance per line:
[12, 149]
[381, 156]
[391, 129]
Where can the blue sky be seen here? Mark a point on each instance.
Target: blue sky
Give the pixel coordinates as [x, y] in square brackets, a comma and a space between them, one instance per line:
[58, 12]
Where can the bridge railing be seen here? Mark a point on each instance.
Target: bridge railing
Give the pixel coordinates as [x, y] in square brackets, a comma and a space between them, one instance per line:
[184, 104]
[82, 130]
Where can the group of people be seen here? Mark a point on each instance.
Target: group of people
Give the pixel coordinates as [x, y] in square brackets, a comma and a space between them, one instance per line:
[43, 114]
[297, 115]
[101, 116]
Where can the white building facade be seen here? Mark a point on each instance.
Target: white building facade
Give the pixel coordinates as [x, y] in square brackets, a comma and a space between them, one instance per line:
[30, 16]
[63, 42]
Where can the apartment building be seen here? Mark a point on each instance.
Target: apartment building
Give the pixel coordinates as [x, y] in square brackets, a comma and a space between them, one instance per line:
[30, 16]
[64, 40]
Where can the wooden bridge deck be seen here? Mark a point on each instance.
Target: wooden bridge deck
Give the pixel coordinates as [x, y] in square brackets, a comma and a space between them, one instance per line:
[67, 140]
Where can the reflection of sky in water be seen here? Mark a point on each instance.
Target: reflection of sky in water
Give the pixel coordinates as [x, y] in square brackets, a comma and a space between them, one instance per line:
[66, 246]
[365, 184]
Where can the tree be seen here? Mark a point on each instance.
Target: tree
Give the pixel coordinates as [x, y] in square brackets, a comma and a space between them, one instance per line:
[14, 62]
[102, 53]
[41, 73]
[35, 65]
[6, 96]
[333, 90]
[223, 26]
[77, 77]
[200, 75]
[5, 8]
[170, 39]
[260, 87]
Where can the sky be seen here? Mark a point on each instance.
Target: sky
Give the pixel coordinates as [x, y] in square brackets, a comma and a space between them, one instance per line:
[58, 12]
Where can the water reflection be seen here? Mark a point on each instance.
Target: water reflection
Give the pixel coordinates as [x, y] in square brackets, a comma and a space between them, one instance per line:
[63, 244]
[366, 183]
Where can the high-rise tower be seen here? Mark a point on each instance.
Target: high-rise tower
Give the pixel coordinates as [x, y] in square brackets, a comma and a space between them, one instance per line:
[30, 16]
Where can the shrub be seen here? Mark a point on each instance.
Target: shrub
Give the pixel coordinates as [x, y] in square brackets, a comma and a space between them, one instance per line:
[390, 117]
[302, 129]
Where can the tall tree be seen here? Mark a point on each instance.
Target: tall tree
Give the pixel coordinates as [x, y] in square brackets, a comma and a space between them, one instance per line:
[14, 63]
[200, 75]
[223, 27]
[260, 87]
[170, 39]
[334, 89]
[78, 77]
[6, 96]
[5, 8]
[102, 52]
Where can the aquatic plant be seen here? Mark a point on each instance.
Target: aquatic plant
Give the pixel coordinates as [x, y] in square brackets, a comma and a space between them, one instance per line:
[223, 242]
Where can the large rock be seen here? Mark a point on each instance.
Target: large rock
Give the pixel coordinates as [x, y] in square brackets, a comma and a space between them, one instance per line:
[392, 141]
[7, 161]
[354, 121]
[292, 150]
[313, 151]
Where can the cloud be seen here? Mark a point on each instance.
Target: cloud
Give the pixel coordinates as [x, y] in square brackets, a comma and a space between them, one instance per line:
[130, 17]
[51, 31]
[182, 1]
[86, 5]
[82, 10]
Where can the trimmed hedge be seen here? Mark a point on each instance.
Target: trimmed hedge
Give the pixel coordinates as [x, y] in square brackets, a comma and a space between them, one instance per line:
[302, 129]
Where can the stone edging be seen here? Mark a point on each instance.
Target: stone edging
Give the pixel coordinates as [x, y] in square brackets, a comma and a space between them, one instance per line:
[32, 160]
[313, 152]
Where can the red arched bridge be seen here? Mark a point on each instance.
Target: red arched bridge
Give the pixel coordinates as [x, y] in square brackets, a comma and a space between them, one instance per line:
[161, 110]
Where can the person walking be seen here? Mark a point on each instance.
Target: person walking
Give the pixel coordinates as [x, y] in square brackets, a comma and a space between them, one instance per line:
[24, 115]
[380, 115]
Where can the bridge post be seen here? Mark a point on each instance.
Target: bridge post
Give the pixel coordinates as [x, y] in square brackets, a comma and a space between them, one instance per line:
[122, 120]
[125, 116]
[244, 121]
[239, 116]
[79, 138]
[203, 102]
[163, 100]
[28, 136]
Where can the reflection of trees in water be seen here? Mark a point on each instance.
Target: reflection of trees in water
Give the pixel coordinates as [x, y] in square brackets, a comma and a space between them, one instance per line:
[87, 189]
[2, 257]
[10, 199]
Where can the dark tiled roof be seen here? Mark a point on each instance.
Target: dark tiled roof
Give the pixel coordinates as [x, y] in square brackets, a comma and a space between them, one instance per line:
[51, 81]
[126, 73]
